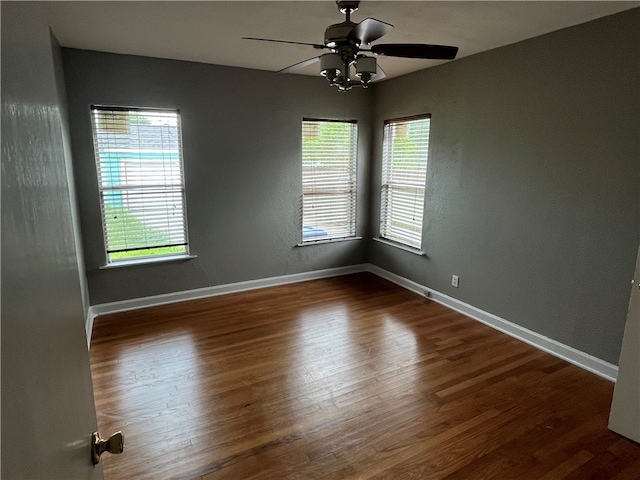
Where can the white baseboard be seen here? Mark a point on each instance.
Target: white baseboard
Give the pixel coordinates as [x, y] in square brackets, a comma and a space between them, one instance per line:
[156, 300]
[88, 326]
[570, 354]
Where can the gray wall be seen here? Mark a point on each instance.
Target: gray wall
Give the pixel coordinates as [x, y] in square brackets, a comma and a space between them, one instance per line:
[533, 182]
[533, 186]
[47, 399]
[241, 140]
[66, 145]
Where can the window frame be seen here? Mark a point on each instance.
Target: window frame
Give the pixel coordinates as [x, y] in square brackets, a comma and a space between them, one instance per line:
[351, 211]
[385, 236]
[137, 189]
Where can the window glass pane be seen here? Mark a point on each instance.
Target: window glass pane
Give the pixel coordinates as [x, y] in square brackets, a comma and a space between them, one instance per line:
[328, 180]
[404, 172]
[141, 182]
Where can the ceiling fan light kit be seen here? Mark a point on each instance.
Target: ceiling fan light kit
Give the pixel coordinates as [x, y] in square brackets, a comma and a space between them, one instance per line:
[366, 68]
[330, 66]
[345, 39]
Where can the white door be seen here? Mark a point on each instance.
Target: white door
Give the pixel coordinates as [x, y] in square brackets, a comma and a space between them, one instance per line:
[48, 412]
[625, 408]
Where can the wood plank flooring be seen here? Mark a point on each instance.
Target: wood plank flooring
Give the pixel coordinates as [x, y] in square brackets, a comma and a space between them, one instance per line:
[348, 377]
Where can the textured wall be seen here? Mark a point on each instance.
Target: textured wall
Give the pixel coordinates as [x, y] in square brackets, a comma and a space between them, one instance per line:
[533, 184]
[47, 399]
[241, 139]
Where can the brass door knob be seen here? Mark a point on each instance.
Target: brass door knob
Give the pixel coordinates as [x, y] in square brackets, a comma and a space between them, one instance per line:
[115, 444]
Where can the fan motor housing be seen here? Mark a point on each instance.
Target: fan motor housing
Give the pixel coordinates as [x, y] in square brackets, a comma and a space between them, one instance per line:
[338, 34]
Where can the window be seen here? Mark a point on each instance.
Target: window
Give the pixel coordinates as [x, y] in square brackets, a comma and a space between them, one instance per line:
[404, 172]
[140, 178]
[328, 179]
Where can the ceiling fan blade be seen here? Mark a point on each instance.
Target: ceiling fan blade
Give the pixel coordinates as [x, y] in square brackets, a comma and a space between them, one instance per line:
[369, 30]
[299, 65]
[314, 45]
[416, 50]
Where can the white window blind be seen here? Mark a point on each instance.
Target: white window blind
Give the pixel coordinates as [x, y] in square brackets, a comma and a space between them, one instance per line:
[328, 179]
[140, 178]
[404, 171]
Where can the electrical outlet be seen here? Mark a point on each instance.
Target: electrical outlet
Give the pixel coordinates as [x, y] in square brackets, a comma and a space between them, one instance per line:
[454, 281]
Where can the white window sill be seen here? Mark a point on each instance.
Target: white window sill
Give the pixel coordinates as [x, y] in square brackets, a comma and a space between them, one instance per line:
[145, 261]
[331, 240]
[406, 248]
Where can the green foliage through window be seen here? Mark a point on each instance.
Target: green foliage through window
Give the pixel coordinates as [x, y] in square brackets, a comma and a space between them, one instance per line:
[328, 179]
[139, 164]
[404, 166]
[125, 228]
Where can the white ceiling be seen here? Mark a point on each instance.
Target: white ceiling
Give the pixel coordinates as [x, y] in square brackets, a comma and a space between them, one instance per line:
[211, 31]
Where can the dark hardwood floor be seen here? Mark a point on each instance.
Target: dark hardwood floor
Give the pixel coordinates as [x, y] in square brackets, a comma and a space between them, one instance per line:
[348, 377]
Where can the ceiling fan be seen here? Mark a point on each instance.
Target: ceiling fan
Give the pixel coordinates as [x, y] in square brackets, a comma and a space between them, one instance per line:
[345, 42]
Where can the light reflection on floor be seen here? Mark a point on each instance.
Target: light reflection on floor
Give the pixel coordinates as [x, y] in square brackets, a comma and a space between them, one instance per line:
[168, 372]
[331, 358]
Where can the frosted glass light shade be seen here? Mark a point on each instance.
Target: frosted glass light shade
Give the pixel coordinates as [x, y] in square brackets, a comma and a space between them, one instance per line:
[330, 65]
[366, 65]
